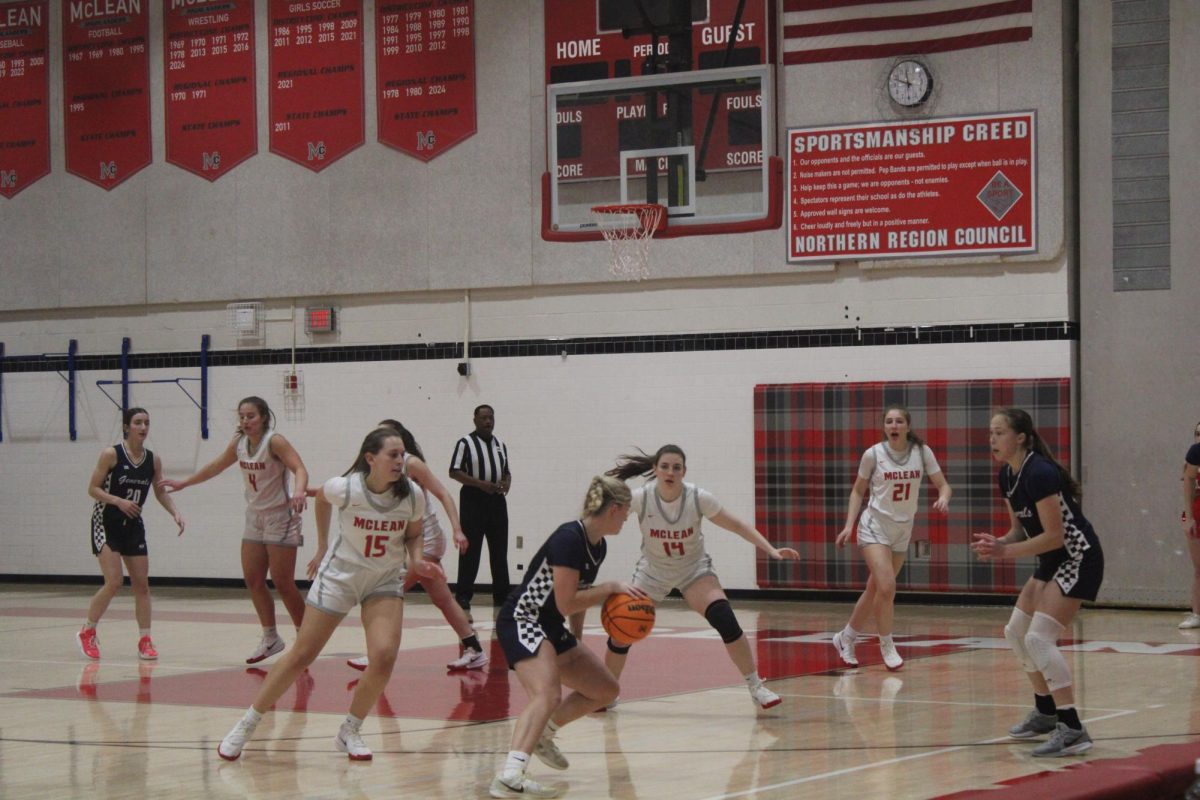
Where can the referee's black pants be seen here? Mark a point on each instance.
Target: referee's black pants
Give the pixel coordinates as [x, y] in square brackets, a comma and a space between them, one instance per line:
[484, 516]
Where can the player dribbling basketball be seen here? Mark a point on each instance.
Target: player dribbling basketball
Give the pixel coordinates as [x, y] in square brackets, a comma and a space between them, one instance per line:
[673, 556]
[531, 627]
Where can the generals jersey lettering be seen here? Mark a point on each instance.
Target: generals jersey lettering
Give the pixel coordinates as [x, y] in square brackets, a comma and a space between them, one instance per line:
[128, 480]
[264, 477]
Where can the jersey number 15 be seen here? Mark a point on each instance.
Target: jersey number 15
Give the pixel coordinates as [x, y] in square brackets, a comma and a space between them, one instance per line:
[376, 546]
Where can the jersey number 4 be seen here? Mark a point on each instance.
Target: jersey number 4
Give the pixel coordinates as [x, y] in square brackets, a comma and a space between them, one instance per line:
[676, 546]
[250, 476]
[376, 546]
[900, 492]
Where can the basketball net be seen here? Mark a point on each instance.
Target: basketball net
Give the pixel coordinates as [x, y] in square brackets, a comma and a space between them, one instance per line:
[628, 229]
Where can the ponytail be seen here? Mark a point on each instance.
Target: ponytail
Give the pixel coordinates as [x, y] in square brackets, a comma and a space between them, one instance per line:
[1021, 423]
[605, 491]
[373, 444]
[917, 441]
[629, 466]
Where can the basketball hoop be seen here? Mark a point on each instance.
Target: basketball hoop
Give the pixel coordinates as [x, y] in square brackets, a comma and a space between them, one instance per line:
[628, 229]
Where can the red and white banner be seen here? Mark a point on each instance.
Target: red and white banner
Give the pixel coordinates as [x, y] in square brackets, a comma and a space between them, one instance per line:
[425, 75]
[845, 30]
[24, 94]
[208, 52]
[316, 80]
[953, 186]
[106, 89]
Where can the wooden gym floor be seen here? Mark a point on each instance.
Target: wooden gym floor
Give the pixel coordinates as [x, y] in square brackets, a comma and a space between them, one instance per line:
[685, 726]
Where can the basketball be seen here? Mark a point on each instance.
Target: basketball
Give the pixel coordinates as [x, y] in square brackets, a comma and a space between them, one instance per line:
[627, 619]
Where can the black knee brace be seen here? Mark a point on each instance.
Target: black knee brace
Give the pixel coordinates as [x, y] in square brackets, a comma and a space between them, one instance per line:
[618, 649]
[720, 615]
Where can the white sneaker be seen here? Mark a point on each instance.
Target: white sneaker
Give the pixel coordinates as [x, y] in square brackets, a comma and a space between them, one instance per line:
[350, 742]
[550, 755]
[891, 659]
[519, 787]
[359, 663]
[231, 746]
[266, 648]
[1190, 621]
[764, 697]
[470, 659]
[845, 649]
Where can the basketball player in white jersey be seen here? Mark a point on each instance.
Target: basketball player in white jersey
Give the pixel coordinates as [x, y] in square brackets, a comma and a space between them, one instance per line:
[673, 556]
[893, 471]
[472, 656]
[273, 508]
[364, 564]
[121, 483]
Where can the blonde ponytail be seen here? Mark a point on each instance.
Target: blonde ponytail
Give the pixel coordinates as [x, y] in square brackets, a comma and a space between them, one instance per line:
[602, 492]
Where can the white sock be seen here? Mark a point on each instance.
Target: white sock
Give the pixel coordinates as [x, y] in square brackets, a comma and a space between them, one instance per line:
[516, 763]
[88, 624]
[353, 722]
[849, 634]
[252, 717]
[270, 632]
[143, 632]
[752, 679]
[551, 729]
[886, 640]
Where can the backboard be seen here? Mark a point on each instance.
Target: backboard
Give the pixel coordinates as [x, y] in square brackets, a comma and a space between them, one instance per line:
[700, 143]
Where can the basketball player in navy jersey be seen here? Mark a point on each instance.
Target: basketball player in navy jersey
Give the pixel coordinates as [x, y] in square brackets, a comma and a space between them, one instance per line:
[272, 533]
[892, 470]
[545, 655]
[1047, 522]
[124, 477]
[670, 513]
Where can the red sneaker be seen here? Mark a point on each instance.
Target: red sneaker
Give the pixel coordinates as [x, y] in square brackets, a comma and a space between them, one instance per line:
[146, 651]
[89, 645]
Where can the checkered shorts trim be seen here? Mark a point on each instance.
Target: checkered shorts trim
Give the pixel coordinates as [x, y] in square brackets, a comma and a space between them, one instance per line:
[529, 606]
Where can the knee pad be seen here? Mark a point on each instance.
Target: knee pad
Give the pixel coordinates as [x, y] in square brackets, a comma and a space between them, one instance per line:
[720, 615]
[618, 649]
[1014, 632]
[1042, 644]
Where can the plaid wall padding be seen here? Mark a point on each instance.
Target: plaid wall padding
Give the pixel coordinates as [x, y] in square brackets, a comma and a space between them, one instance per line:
[808, 439]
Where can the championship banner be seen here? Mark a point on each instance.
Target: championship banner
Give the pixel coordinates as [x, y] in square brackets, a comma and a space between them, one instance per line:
[316, 80]
[938, 187]
[24, 94]
[106, 89]
[209, 84]
[425, 75]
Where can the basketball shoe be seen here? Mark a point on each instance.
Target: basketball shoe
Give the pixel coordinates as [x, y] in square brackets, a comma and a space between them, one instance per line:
[470, 659]
[891, 659]
[845, 649]
[349, 741]
[231, 746]
[1064, 741]
[359, 663]
[146, 651]
[1036, 724]
[764, 697]
[550, 755]
[519, 786]
[1190, 621]
[89, 643]
[266, 648]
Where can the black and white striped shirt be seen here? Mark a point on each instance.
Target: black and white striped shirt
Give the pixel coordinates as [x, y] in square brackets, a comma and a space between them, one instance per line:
[483, 460]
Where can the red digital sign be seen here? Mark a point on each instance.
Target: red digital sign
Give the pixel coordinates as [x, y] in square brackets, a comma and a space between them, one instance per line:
[106, 89]
[316, 80]
[585, 39]
[208, 54]
[425, 75]
[24, 94]
[934, 187]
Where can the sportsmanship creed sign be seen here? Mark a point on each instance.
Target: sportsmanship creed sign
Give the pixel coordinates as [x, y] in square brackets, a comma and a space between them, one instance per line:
[106, 99]
[954, 186]
[209, 86]
[316, 80]
[24, 95]
[425, 74]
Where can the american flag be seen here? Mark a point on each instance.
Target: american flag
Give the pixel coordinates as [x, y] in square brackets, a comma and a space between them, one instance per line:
[845, 30]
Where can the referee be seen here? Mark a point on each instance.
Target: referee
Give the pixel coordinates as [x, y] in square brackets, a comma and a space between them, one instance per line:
[480, 464]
